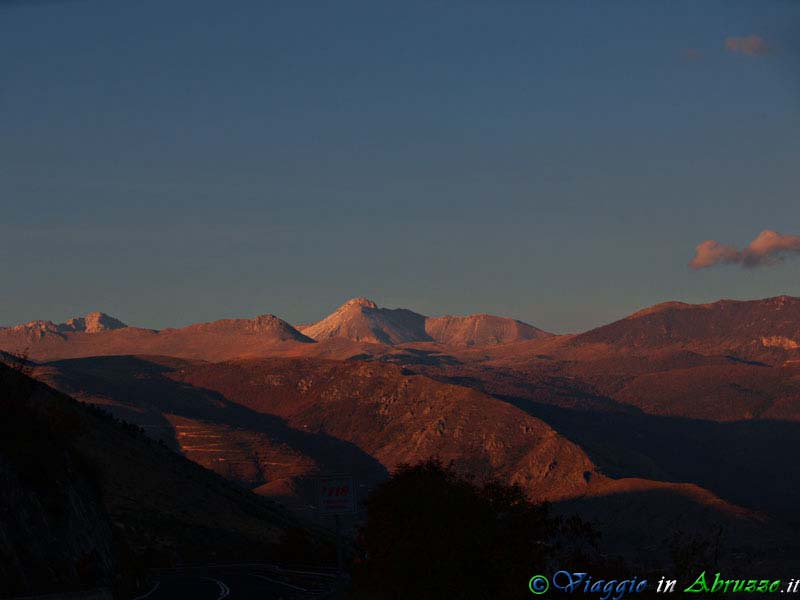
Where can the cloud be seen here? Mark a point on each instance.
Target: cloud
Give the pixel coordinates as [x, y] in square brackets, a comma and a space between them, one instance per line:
[752, 45]
[768, 248]
[710, 253]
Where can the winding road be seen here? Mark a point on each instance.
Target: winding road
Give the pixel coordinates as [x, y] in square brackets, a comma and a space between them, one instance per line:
[241, 582]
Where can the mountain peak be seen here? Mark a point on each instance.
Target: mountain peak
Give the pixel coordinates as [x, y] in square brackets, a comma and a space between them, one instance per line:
[360, 301]
[94, 322]
[361, 320]
[277, 327]
[268, 328]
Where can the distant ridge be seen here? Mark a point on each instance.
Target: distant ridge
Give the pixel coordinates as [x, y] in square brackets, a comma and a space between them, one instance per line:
[747, 328]
[766, 330]
[94, 322]
[480, 330]
[100, 335]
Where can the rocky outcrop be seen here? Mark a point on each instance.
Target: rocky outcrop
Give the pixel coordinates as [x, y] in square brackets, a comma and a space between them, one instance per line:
[94, 322]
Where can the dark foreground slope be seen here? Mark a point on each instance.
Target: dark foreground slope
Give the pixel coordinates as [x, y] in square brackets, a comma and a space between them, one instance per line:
[86, 501]
[54, 531]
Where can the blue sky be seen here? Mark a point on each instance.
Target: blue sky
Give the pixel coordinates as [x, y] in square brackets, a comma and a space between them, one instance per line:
[173, 161]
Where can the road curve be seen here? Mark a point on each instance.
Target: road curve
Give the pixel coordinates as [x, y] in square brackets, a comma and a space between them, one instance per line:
[246, 582]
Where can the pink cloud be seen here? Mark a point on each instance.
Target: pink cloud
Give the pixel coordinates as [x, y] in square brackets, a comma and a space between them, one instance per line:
[768, 248]
[752, 45]
[710, 253]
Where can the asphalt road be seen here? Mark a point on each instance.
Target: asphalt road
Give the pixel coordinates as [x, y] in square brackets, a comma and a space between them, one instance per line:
[241, 582]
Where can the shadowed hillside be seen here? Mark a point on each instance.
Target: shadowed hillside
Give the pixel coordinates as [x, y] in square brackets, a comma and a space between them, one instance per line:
[99, 499]
[273, 423]
[710, 436]
[282, 414]
[55, 534]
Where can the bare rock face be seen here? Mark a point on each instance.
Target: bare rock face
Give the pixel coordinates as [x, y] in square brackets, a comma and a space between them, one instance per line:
[360, 301]
[94, 322]
[480, 330]
[361, 320]
[779, 341]
[34, 330]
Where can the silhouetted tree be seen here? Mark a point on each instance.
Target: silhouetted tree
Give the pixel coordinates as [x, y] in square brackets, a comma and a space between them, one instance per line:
[688, 550]
[432, 534]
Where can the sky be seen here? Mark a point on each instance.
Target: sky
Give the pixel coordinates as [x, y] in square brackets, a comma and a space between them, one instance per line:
[174, 161]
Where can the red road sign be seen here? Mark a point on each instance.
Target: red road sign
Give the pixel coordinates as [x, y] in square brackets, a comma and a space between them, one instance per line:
[336, 495]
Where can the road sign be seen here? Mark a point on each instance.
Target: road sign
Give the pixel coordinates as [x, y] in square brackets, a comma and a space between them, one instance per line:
[336, 495]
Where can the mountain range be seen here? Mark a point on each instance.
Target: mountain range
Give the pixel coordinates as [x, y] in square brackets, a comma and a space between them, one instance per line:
[761, 329]
[658, 417]
[359, 321]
